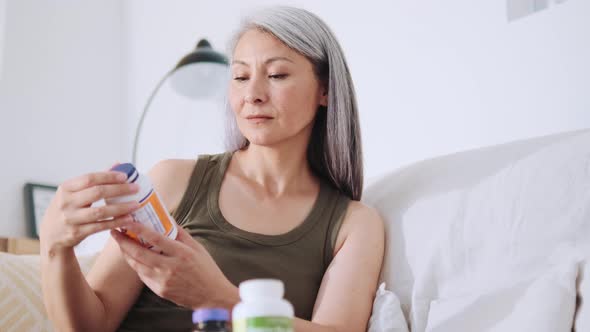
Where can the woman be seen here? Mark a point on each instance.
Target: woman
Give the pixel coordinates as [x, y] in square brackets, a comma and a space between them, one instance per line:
[282, 203]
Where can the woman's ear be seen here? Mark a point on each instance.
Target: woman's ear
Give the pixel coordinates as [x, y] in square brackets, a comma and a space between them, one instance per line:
[324, 97]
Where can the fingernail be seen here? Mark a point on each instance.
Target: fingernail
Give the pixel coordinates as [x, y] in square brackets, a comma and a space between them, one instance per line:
[121, 176]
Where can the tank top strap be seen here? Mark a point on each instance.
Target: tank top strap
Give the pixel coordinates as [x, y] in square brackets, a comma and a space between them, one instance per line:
[182, 212]
[336, 216]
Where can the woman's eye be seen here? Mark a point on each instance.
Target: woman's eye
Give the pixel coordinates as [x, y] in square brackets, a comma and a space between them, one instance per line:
[240, 78]
[278, 76]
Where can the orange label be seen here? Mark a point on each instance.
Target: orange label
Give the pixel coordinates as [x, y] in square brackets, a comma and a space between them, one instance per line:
[154, 215]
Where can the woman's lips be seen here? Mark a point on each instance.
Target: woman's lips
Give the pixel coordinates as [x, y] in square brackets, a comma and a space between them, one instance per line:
[258, 118]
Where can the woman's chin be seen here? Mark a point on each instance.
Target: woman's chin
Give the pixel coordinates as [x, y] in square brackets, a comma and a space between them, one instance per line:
[263, 140]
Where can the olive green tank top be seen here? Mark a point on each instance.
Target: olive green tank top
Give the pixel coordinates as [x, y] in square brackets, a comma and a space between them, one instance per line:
[299, 257]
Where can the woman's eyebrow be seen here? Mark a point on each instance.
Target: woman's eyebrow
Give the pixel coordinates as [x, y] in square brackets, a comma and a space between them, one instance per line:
[266, 62]
[277, 58]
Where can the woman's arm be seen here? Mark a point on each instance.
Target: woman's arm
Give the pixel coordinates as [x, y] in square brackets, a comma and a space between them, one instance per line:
[345, 299]
[65, 291]
[100, 301]
[70, 302]
[99, 304]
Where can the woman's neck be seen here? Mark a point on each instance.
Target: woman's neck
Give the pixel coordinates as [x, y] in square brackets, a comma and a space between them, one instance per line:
[276, 171]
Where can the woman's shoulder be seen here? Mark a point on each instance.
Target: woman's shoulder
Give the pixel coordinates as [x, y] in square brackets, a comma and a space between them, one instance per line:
[360, 221]
[362, 216]
[170, 178]
[358, 209]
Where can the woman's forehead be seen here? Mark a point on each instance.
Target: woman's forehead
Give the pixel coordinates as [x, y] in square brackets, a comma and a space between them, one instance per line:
[260, 46]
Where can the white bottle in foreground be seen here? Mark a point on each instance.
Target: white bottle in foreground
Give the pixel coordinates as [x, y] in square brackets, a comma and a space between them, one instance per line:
[262, 308]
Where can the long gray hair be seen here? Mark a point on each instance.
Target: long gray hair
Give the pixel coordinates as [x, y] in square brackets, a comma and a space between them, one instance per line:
[334, 150]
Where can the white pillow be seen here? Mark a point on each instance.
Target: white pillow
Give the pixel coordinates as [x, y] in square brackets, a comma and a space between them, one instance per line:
[448, 241]
[21, 301]
[508, 224]
[387, 315]
[542, 304]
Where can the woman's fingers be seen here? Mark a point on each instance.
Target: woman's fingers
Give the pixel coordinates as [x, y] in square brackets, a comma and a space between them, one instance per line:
[93, 214]
[94, 179]
[70, 216]
[134, 250]
[90, 195]
[86, 230]
[156, 239]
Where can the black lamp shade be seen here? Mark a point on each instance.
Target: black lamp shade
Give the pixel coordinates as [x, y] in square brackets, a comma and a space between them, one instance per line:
[203, 53]
[200, 74]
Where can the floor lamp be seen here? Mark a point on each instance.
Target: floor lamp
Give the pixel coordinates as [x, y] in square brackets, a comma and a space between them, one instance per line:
[199, 74]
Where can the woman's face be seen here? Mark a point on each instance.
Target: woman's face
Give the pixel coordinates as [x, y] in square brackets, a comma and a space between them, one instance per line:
[274, 92]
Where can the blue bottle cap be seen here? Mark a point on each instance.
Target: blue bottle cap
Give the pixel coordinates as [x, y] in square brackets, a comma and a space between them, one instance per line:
[126, 168]
[210, 314]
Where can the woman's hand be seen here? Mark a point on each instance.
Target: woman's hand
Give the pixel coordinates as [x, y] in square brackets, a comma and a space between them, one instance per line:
[69, 218]
[183, 272]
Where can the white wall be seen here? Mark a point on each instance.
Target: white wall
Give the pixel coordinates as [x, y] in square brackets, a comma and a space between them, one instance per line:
[432, 77]
[2, 23]
[61, 96]
[455, 75]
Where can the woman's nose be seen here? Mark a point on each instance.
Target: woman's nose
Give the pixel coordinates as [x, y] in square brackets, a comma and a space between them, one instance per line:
[256, 92]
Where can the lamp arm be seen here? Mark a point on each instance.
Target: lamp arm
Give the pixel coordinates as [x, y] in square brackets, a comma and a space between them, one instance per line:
[144, 113]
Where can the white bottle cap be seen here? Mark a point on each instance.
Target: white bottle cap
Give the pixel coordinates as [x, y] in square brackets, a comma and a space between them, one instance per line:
[262, 288]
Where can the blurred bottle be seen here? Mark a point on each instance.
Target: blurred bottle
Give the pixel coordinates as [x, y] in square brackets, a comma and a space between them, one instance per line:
[211, 320]
[262, 308]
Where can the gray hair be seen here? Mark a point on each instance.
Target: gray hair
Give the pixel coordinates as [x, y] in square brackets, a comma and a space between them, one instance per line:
[334, 150]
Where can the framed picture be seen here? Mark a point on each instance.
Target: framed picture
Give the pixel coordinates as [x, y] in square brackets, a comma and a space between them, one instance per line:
[37, 198]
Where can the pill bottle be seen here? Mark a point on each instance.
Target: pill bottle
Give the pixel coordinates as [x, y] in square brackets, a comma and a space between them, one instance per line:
[152, 212]
[262, 307]
[211, 320]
